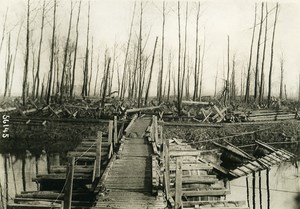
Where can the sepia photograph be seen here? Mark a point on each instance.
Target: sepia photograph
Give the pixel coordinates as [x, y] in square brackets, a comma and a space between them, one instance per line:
[149, 104]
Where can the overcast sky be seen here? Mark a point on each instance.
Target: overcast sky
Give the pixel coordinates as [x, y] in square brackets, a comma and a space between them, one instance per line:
[110, 23]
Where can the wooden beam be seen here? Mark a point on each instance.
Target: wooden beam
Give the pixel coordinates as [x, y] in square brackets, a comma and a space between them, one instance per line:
[196, 103]
[135, 110]
[110, 135]
[219, 192]
[167, 169]
[115, 131]
[192, 166]
[69, 183]
[98, 154]
[215, 202]
[155, 130]
[178, 184]
[184, 153]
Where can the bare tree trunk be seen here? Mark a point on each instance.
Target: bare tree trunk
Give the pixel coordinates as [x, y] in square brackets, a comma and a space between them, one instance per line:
[160, 77]
[75, 53]
[187, 83]
[140, 59]
[43, 88]
[112, 71]
[169, 79]
[247, 94]
[37, 76]
[227, 94]
[151, 70]
[179, 63]
[8, 68]
[52, 54]
[285, 93]
[97, 74]
[256, 87]
[56, 69]
[62, 83]
[201, 72]
[133, 86]
[14, 62]
[233, 86]
[272, 54]
[184, 55]
[261, 96]
[4, 28]
[91, 71]
[105, 83]
[281, 79]
[126, 55]
[196, 78]
[26, 55]
[84, 91]
[33, 73]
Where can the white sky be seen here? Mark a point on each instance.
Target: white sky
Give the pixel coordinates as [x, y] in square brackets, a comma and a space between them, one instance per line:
[110, 22]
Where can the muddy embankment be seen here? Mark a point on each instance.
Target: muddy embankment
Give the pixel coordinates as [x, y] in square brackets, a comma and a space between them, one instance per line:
[280, 135]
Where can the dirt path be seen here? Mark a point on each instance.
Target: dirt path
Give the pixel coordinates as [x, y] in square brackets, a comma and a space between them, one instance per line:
[129, 180]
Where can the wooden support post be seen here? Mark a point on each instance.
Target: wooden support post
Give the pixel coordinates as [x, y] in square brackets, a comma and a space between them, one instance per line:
[153, 128]
[167, 169]
[260, 190]
[110, 133]
[69, 183]
[268, 188]
[115, 131]
[253, 190]
[156, 130]
[161, 134]
[247, 186]
[178, 184]
[98, 154]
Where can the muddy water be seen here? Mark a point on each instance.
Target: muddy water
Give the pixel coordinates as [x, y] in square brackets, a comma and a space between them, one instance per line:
[284, 188]
[16, 175]
[284, 182]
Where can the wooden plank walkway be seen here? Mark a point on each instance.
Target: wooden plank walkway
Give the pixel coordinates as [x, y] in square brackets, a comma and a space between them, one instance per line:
[128, 184]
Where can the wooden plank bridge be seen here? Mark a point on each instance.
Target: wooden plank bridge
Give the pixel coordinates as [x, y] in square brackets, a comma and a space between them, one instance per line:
[137, 168]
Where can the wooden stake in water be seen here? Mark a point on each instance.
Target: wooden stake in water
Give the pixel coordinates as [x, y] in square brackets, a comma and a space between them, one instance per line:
[253, 190]
[69, 183]
[268, 188]
[6, 178]
[178, 184]
[259, 187]
[247, 185]
[23, 173]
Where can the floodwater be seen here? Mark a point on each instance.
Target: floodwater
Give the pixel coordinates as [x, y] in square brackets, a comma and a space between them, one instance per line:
[16, 179]
[284, 182]
[284, 188]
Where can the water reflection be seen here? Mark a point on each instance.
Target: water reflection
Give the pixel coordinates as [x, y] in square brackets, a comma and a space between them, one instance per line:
[284, 188]
[16, 174]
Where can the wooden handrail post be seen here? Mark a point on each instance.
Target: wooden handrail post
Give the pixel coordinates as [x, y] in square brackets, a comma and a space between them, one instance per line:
[110, 133]
[156, 130]
[153, 128]
[115, 131]
[161, 134]
[69, 183]
[178, 184]
[167, 168]
[98, 154]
